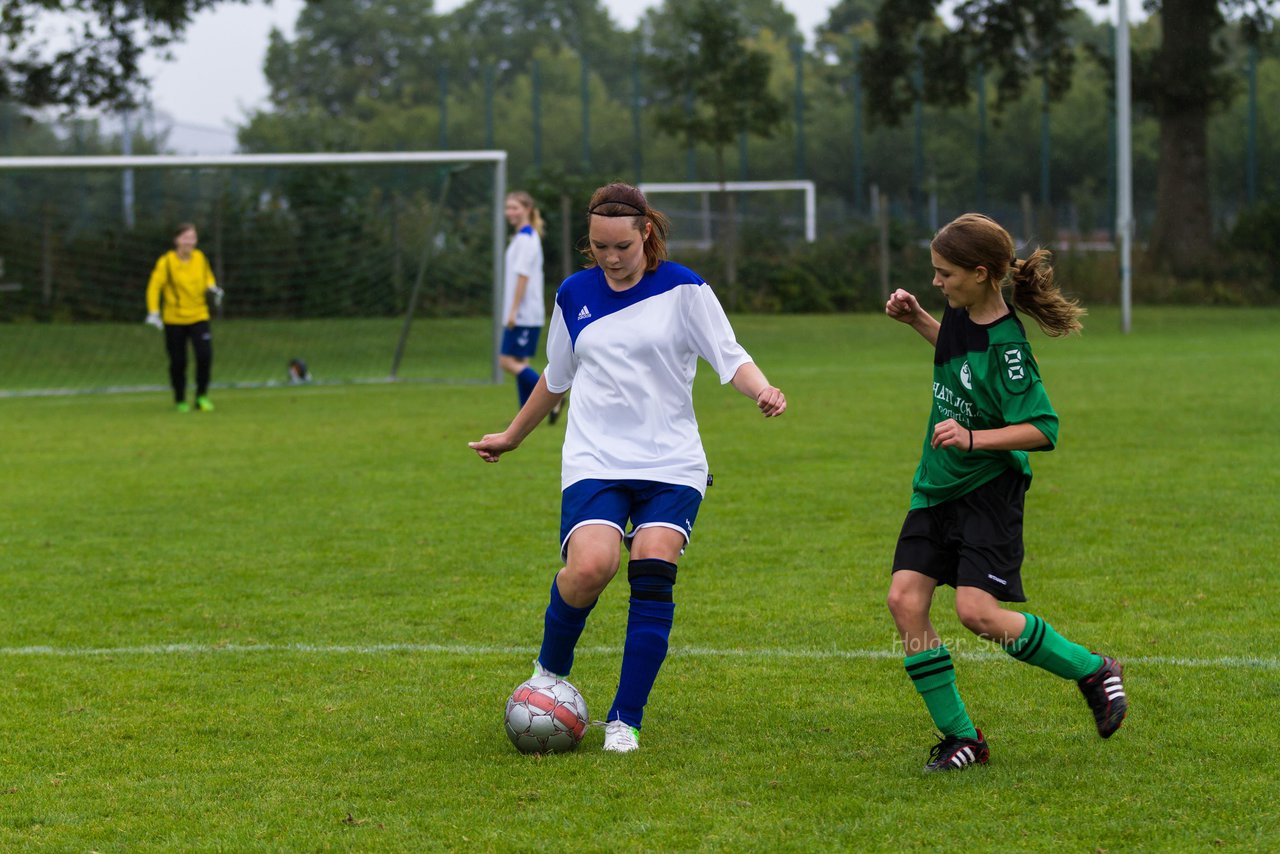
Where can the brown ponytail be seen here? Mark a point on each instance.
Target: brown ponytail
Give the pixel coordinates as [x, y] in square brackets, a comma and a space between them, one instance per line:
[1035, 293]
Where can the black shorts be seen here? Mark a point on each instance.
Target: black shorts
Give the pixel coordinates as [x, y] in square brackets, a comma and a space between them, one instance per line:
[971, 541]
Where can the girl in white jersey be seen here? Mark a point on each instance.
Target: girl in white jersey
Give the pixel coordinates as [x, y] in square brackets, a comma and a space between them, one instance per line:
[522, 293]
[626, 334]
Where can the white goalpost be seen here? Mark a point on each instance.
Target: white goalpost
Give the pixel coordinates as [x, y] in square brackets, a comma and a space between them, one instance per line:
[705, 189]
[323, 256]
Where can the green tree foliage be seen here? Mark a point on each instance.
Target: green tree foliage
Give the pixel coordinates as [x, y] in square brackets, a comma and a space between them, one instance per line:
[368, 76]
[710, 85]
[93, 59]
[509, 34]
[1017, 40]
[347, 53]
[1182, 80]
[848, 16]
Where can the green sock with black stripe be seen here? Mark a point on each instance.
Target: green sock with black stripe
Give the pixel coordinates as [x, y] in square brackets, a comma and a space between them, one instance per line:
[1040, 645]
[935, 678]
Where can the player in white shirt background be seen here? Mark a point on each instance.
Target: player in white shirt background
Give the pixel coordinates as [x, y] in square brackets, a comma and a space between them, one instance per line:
[626, 334]
[522, 294]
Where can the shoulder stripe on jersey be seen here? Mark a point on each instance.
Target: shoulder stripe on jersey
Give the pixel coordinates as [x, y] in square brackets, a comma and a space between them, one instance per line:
[959, 335]
[586, 297]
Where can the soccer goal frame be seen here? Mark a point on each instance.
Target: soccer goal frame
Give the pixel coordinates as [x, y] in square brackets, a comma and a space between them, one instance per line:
[126, 163]
[706, 188]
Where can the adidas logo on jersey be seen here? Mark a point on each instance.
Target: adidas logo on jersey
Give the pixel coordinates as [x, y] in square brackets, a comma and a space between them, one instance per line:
[585, 314]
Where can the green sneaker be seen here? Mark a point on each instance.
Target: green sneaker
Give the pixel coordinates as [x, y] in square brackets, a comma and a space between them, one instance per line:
[204, 404]
[183, 407]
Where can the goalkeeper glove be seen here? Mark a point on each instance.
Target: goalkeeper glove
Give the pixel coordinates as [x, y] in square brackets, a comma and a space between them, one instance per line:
[153, 319]
[213, 296]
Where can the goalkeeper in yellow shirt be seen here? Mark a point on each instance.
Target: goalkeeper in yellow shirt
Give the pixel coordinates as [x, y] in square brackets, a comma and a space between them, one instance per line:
[178, 297]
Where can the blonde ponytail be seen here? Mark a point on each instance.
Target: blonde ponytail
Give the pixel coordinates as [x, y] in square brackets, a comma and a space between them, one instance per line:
[535, 216]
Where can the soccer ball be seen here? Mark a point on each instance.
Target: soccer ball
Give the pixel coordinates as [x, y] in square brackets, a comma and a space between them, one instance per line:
[546, 715]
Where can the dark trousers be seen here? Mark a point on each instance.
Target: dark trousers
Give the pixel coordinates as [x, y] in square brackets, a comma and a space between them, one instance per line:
[176, 337]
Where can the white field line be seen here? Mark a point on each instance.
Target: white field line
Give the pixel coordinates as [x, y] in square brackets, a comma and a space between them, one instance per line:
[765, 654]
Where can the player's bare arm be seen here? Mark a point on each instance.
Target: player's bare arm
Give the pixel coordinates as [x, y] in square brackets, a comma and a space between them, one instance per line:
[750, 380]
[1015, 437]
[905, 308]
[541, 402]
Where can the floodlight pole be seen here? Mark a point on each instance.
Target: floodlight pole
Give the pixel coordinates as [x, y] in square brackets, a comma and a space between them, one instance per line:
[1124, 166]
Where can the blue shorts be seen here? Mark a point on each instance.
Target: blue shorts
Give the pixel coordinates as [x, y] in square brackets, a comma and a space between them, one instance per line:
[646, 503]
[520, 341]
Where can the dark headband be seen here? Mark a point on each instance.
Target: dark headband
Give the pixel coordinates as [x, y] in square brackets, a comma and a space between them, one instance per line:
[595, 211]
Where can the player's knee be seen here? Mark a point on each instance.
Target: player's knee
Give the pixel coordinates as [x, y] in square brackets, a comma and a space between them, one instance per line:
[905, 604]
[651, 579]
[590, 575]
[977, 616]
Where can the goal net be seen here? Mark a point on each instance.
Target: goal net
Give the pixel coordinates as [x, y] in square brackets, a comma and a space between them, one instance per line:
[365, 266]
[786, 209]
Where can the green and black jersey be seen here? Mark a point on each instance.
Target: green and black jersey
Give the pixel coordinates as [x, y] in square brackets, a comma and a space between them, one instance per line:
[984, 377]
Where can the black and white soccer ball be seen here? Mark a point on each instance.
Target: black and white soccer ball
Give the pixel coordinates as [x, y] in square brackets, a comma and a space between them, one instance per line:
[546, 715]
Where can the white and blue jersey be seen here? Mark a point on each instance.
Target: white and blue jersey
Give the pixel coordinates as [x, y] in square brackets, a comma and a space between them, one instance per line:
[630, 357]
[524, 258]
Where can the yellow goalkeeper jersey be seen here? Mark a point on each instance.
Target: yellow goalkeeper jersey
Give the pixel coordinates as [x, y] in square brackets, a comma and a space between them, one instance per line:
[182, 285]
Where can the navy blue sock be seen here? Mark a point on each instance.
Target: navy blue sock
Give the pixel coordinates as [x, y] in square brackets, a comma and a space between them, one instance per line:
[525, 381]
[561, 628]
[648, 630]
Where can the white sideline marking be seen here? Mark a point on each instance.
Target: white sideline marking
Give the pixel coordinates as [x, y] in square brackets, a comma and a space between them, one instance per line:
[1229, 662]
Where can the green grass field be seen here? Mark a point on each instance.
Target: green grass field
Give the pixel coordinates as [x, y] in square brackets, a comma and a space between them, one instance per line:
[292, 624]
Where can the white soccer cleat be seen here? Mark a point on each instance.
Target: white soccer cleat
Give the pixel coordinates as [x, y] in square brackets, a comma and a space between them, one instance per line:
[539, 670]
[621, 738]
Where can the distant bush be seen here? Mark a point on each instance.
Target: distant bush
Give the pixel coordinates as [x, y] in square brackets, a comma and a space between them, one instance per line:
[1253, 248]
[836, 273]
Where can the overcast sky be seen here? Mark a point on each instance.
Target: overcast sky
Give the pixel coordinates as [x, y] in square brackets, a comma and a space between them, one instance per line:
[216, 75]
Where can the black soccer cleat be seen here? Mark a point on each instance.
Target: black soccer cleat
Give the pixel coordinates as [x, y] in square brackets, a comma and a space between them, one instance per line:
[1104, 692]
[955, 754]
[554, 415]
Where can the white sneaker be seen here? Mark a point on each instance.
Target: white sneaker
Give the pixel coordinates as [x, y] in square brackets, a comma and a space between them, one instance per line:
[539, 670]
[620, 738]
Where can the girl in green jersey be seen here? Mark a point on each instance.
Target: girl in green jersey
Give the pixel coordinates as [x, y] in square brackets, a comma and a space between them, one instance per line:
[964, 526]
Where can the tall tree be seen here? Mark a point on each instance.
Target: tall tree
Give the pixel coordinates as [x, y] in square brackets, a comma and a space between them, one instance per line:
[509, 32]
[711, 86]
[93, 60]
[1183, 82]
[1024, 40]
[378, 50]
